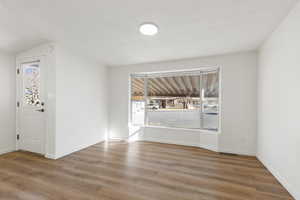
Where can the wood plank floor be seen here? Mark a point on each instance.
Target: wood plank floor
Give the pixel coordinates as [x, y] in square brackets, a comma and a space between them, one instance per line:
[137, 171]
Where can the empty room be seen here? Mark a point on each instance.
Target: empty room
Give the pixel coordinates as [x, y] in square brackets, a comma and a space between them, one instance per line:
[149, 100]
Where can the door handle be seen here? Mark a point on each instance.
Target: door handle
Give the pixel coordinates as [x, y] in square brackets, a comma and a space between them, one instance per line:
[41, 110]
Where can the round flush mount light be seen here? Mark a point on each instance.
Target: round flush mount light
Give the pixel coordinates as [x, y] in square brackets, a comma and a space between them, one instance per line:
[149, 29]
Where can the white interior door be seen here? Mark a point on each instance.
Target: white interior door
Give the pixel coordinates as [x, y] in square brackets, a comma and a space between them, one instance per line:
[31, 105]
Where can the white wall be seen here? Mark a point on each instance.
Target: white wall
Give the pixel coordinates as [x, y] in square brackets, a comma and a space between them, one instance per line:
[7, 103]
[81, 102]
[278, 103]
[238, 128]
[76, 100]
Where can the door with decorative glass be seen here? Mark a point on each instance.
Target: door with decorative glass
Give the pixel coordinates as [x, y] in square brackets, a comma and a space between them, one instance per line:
[31, 124]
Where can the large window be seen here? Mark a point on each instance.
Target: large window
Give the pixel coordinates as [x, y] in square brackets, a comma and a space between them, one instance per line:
[185, 99]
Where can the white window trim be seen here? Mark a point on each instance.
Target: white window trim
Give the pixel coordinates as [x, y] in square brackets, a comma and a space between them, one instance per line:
[203, 70]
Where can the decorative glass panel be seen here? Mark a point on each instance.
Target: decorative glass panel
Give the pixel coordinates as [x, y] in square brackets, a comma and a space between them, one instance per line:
[31, 84]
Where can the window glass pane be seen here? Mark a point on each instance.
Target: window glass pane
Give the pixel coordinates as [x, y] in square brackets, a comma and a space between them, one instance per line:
[210, 104]
[181, 100]
[174, 101]
[31, 84]
[137, 101]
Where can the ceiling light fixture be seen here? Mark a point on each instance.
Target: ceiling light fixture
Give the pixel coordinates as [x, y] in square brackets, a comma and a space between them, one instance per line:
[149, 29]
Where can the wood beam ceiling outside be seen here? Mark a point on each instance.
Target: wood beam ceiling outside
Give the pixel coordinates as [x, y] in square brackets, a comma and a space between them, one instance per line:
[153, 89]
[179, 84]
[156, 83]
[165, 82]
[140, 83]
[195, 81]
[173, 84]
[182, 85]
[189, 86]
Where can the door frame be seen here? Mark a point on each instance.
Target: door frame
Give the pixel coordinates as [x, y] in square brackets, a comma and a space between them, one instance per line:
[19, 62]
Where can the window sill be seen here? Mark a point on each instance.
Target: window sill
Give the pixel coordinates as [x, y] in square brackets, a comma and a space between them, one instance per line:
[183, 129]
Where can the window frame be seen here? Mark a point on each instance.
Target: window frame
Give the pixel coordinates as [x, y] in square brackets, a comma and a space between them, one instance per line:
[193, 71]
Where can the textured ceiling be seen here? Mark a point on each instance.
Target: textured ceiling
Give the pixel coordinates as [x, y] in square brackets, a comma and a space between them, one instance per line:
[108, 30]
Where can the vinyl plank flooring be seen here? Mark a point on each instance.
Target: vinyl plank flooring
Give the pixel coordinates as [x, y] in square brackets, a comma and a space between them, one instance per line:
[137, 171]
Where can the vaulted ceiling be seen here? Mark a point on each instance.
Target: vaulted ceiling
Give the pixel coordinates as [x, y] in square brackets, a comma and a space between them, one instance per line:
[107, 30]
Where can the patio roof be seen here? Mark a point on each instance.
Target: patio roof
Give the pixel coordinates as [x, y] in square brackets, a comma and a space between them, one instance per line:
[177, 86]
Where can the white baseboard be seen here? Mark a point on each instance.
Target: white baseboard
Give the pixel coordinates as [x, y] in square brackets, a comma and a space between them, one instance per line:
[208, 147]
[168, 142]
[50, 156]
[238, 153]
[78, 148]
[6, 150]
[293, 191]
